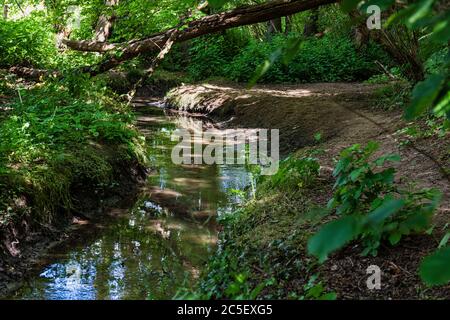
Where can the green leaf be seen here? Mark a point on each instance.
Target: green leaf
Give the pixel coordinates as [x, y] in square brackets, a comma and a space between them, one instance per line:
[386, 209]
[394, 238]
[293, 46]
[401, 15]
[328, 296]
[444, 240]
[423, 8]
[435, 269]
[423, 95]
[356, 173]
[371, 147]
[390, 157]
[442, 107]
[263, 68]
[441, 31]
[332, 236]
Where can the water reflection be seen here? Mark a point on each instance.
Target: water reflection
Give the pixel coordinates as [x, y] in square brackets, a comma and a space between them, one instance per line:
[160, 244]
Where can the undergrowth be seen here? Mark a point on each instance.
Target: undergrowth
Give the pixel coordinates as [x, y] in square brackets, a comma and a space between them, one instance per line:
[60, 136]
[272, 264]
[268, 247]
[328, 59]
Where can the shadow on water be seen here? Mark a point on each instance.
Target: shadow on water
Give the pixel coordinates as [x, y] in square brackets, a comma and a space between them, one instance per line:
[157, 245]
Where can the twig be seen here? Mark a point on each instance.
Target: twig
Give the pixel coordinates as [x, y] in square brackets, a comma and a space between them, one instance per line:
[390, 75]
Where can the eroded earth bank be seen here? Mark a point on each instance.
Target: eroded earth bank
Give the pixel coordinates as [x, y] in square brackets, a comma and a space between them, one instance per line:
[266, 239]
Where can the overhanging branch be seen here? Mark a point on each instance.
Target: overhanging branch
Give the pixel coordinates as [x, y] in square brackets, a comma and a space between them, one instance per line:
[210, 24]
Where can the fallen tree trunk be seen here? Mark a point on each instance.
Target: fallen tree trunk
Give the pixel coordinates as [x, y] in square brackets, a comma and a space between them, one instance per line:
[210, 24]
[33, 74]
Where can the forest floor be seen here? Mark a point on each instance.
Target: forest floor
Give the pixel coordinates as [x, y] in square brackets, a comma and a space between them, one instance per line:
[344, 114]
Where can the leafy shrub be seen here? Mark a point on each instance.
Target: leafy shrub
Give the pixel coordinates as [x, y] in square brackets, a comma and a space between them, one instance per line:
[370, 206]
[244, 65]
[393, 96]
[436, 62]
[208, 56]
[294, 172]
[58, 135]
[26, 42]
[328, 59]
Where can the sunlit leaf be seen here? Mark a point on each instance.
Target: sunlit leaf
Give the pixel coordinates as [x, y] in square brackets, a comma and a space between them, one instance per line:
[263, 68]
[390, 157]
[441, 31]
[444, 240]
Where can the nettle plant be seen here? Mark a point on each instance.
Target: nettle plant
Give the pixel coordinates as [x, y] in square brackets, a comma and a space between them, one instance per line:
[370, 205]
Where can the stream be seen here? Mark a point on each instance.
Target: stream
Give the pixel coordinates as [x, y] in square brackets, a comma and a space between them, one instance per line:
[158, 244]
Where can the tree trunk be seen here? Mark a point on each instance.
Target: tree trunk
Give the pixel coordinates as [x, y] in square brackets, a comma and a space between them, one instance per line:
[401, 44]
[311, 27]
[217, 22]
[273, 27]
[63, 32]
[105, 23]
[287, 24]
[33, 74]
[5, 11]
[360, 33]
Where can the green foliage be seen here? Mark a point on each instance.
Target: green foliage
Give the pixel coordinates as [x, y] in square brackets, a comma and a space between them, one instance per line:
[314, 60]
[434, 91]
[133, 17]
[225, 279]
[393, 96]
[357, 181]
[59, 135]
[371, 207]
[293, 173]
[434, 269]
[208, 57]
[242, 269]
[333, 236]
[28, 42]
[424, 94]
[436, 61]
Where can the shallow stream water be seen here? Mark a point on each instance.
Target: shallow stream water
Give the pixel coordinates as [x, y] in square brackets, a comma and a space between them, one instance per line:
[156, 245]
